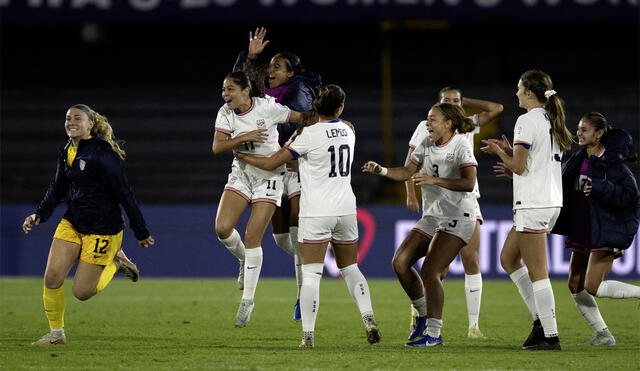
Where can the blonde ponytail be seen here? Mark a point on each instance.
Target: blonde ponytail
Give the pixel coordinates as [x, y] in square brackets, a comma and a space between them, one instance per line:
[102, 128]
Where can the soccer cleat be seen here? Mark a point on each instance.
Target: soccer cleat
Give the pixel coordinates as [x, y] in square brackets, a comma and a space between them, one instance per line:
[371, 328]
[419, 327]
[126, 266]
[475, 333]
[297, 315]
[307, 340]
[535, 336]
[547, 343]
[244, 312]
[51, 339]
[603, 337]
[241, 275]
[426, 341]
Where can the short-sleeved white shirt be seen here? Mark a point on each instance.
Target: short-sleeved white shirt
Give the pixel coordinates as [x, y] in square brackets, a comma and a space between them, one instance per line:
[540, 185]
[421, 132]
[264, 113]
[445, 161]
[325, 152]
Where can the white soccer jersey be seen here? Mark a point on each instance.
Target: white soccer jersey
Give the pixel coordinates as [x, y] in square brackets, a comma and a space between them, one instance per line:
[540, 185]
[325, 152]
[421, 132]
[264, 113]
[445, 161]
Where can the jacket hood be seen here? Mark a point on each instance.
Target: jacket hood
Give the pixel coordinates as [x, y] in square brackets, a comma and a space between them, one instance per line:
[619, 143]
[313, 79]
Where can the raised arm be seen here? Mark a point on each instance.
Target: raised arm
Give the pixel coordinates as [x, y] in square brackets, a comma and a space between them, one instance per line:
[465, 183]
[489, 110]
[222, 142]
[267, 163]
[395, 173]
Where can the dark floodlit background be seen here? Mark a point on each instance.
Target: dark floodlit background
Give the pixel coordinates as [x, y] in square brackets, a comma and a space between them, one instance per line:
[155, 68]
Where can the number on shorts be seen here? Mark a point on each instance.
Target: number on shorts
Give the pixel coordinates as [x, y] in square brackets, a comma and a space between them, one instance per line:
[271, 184]
[344, 167]
[101, 249]
[248, 146]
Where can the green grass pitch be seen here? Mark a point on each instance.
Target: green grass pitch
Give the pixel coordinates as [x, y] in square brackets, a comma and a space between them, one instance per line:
[187, 324]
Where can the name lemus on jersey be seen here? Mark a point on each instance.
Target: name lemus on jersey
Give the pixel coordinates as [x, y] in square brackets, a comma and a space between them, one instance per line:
[338, 132]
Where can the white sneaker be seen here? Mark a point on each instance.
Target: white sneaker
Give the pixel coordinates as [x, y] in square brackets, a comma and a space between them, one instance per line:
[51, 339]
[475, 333]
[603, 338]
[126, 266]
[244, 312]
[307, 340]
[371, 327]
[241, 275]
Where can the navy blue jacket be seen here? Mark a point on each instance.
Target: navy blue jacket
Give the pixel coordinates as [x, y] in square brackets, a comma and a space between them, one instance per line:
[95, 186]
[614, 201]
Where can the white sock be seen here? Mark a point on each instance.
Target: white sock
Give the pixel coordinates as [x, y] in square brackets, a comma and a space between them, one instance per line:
[546, 305]
[310, 295]
[358, 288]
[523, 283]
[234, 244]
[252, 267]
[617, 290]
[293, 232]
[473, 291]
[434, 325]
[589, 308]
[57, 331]
[283, 240]
[421, 306]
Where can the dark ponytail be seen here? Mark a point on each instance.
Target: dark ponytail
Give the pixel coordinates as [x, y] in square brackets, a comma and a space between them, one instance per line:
[540, 84]
[241, 79]
[330, 98]
[460, 122]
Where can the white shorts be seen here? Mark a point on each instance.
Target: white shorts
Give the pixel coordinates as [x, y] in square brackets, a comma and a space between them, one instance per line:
[478, 213]
[336, 229]
[460, 227]
[535, 220]
[291, 184]
[254, 189]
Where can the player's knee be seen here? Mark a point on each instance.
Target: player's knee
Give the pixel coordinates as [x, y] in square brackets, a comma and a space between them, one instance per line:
[507, 263]
[53, 280]
[400, 266]
[83, 294]
[223, 230]
[592, 286]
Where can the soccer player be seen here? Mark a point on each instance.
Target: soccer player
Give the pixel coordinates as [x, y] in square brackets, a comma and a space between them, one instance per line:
[443, 163]
[287, 81]
[470, 252]
[600, 216]
[247, 123]
[540, 137]
[325, 152]
[90, 176]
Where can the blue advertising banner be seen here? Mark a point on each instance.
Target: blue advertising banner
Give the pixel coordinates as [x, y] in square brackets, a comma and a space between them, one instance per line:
[187, 246]
[31, 11]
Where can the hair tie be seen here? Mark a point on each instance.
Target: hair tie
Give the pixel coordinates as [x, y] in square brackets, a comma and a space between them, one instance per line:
[549, 93]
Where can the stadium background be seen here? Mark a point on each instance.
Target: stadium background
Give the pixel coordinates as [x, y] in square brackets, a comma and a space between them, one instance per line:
[155, 67]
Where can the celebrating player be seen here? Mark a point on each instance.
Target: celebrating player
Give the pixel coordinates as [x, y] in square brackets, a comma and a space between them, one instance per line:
[447, 173]
[470, 252]
[540, 137]
[325, 152]
[90, 176]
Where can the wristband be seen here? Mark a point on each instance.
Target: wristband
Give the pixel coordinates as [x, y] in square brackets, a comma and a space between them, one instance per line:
[383, 171]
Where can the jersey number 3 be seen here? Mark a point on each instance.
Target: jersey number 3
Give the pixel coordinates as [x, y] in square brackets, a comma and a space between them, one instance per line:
[343, 166]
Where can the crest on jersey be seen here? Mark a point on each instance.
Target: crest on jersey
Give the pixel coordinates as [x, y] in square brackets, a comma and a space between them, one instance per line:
[449, 157]
[232, 179]
[82, 164]
[260, 123]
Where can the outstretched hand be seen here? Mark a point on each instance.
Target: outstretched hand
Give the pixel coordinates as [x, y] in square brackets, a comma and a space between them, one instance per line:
[258, 136]
[29, 222]
[422, 179]
[147, 242]
[502, 171]
[257, 42]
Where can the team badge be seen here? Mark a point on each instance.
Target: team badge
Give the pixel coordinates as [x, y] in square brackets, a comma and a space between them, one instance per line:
[232, 179]
[449, 157]
[260, 123]
[82, 164]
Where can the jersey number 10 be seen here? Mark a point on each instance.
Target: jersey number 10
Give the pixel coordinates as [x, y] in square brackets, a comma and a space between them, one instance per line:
[343, 166]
